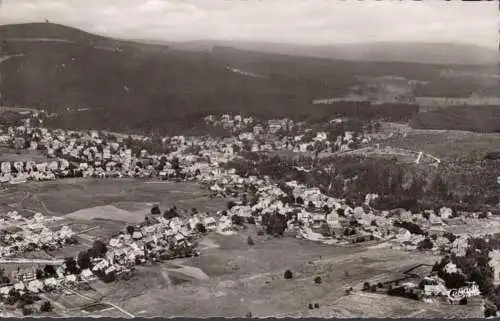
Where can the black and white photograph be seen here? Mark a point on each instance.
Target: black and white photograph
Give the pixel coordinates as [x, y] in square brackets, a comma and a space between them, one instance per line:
[249, 158]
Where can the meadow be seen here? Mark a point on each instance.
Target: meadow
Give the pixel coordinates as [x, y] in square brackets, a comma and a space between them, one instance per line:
[246, 279]
[126, 200]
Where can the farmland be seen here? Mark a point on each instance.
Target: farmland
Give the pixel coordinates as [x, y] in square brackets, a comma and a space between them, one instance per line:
[362, 305]
[115, 199]
[466, 145]
[96, 209]
[243, 278]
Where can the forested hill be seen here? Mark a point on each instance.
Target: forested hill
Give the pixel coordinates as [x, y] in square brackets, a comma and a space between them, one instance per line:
[128, 86]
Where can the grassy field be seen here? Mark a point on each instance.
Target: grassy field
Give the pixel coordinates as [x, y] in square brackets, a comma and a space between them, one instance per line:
[11, 155]
[374, 305]
[448, 144]
[474, 226]
[245, 278]
[125, 200]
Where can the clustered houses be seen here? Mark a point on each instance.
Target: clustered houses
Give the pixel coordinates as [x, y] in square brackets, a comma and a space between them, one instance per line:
[296, 137]
[91, 154]
[94, 154]
[316, 212]
[19, 234]
[236, 123]
[155, 239]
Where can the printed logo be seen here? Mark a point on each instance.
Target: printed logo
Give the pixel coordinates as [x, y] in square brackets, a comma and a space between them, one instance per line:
[464, 292]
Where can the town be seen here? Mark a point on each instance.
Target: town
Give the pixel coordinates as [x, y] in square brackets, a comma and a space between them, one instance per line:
[274, 206]
[163, 158]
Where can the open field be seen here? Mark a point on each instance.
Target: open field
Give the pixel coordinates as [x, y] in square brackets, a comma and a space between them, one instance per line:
[374, 305]
[475, 227]
[243, 278]
[447, 144]
[126, 200]
[109, 212]
[11, 155]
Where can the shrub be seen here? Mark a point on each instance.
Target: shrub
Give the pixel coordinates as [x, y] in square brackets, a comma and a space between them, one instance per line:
[230, 205]
[316, 305]
[46, 306]
[317, 280]
[490, 310]
[39, 274]
[99, 248]
[200, 228]
[71, 265]
[288, 275]
[311, 306]
[49, 270]
[426, 244]
[84, 260]
[366, 286]
[412, 227]
[237, 220]
[108, 278]
[251, 220]
[275, 224]
[155, 210]
[250, 241]
[450, 236]
[27, 310]
[170, 214]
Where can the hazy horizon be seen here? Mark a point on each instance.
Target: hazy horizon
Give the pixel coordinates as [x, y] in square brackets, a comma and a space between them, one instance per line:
[302, 44]
[291, 22]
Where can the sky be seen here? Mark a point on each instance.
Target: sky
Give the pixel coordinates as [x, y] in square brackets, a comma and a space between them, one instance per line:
[315, 22]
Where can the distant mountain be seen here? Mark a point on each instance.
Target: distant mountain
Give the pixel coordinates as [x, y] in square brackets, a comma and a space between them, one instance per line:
[48, 31]
[142, 87]
[428, 53]
[92, 81]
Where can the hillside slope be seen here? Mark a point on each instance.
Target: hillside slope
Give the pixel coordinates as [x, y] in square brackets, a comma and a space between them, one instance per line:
[427, 53]
[126, 86]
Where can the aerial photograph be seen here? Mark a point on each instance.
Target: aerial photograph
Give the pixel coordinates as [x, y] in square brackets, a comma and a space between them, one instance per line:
[259, 158]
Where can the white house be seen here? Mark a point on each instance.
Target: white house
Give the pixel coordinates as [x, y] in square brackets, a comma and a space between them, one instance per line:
[35, 286]
[321, 136]
[210, 223]
[86, 274]
[451, 268]
[225, 227]
[6, 168]
[445, 212]
[332, 219]
[495, 265]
